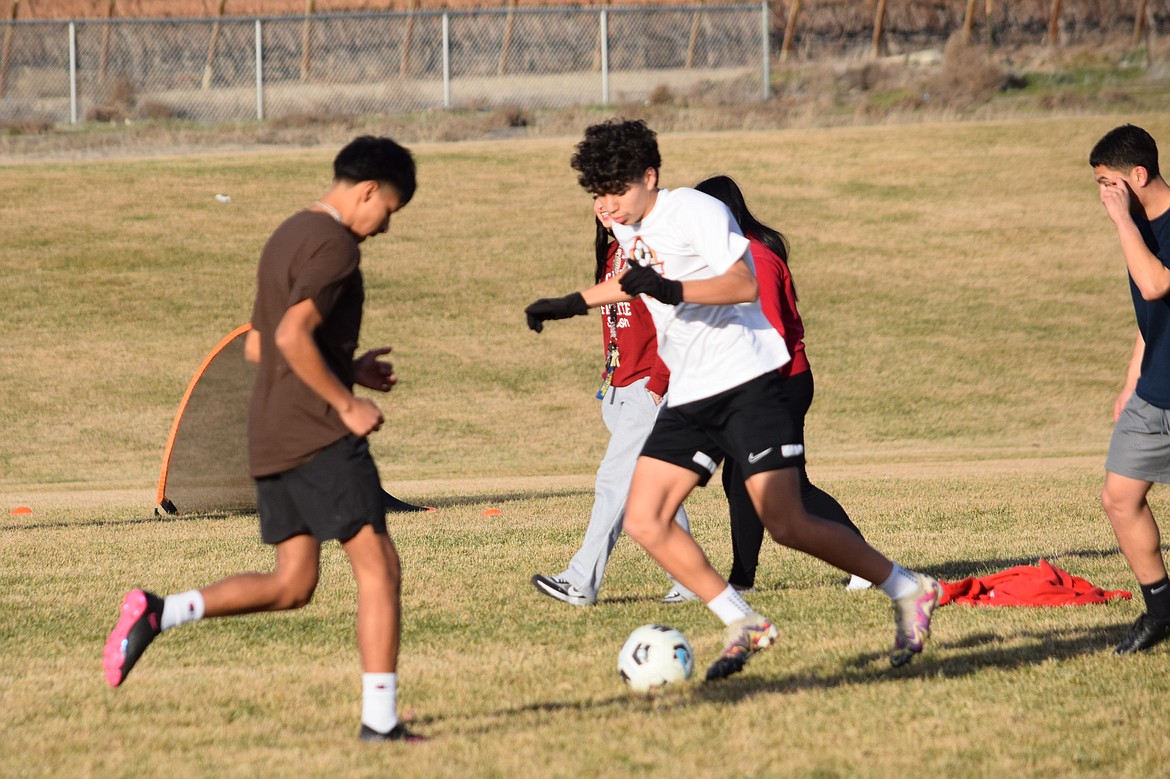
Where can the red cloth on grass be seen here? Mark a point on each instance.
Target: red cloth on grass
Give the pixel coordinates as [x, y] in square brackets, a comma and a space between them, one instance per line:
[1045, 585]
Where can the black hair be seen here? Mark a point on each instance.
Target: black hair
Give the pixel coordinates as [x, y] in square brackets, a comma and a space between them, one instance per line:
[725, 189]
[370, 158]
[615, 154]
[601, 241]
[1125, 148]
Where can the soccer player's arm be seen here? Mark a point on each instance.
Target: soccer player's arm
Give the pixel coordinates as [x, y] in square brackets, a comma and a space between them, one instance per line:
[1132, 374]
[735, 285]
[1149, 274]
[605, 293]
[294, 340]
[574, 304]
[717, 239]
[252, 346]
[375, 374]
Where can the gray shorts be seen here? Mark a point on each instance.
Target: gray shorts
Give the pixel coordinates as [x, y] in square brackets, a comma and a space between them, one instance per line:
[1140, 447]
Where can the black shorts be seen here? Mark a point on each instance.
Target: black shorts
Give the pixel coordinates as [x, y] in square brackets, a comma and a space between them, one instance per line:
[332, 496]
[752, 424]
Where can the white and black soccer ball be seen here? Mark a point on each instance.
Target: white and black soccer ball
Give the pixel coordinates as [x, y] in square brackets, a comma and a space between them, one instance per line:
[653, 656]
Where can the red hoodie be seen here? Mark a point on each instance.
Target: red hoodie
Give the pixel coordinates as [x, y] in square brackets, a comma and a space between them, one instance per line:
[636, 338]
[778, 299]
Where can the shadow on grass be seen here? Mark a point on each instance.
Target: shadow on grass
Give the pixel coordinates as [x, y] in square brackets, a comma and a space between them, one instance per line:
[489, 722]
[399, 517]
[455, 501]
[127, 521]
[966, 656]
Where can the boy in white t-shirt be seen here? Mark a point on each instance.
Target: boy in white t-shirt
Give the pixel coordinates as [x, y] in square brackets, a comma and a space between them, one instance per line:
[692, 266]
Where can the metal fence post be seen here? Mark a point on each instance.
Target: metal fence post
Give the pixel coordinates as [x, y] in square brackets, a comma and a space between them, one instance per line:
[604, 22]
[259, 73]
[446, 60]
[766, 45]
[72, 73]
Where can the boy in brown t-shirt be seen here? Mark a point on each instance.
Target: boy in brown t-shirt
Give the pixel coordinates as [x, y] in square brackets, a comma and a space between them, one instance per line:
[307, 448]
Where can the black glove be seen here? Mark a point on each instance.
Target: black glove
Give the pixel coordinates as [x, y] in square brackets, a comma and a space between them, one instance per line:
[641, 280]
[555, 308]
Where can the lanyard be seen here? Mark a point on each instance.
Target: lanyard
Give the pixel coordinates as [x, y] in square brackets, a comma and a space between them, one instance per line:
[612, 356]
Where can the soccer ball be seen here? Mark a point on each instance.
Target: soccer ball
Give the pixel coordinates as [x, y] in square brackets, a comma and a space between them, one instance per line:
[653, 656]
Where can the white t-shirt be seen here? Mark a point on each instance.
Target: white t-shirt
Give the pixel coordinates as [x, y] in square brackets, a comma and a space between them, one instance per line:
[689, 235]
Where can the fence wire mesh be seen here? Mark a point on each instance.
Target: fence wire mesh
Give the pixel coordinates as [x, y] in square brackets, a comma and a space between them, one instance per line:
[378, 63]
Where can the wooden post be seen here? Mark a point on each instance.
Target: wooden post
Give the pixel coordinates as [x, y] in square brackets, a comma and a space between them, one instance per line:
[968, 21]
[306, 38]
[695, 22]
[1054, 25]
[1139, 22]
[6, 53]
[404, 63]
[103, 64]
[509, 22]
[989, 12]
[789, 30]
[879, 28]
[209, 68]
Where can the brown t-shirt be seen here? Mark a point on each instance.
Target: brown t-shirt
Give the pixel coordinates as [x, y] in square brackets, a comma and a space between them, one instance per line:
[310, 256]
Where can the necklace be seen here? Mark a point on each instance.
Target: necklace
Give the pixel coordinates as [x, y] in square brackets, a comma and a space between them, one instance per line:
[329, 210]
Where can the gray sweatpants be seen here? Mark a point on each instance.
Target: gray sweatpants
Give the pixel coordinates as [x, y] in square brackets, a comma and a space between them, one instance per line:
[629, 413]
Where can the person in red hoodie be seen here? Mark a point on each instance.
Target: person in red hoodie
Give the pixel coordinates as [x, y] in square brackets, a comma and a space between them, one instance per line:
[632, 387]
[778, 300]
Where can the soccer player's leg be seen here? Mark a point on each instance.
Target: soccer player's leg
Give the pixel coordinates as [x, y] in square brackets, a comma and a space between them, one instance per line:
[144, 615]
[139, 622]
[1138, 536]
[914, 596]
[290, 585]
[657, 490]
[628, 413]
[378, 573]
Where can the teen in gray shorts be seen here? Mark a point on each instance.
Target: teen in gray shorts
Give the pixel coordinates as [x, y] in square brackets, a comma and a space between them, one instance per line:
[1137, 200]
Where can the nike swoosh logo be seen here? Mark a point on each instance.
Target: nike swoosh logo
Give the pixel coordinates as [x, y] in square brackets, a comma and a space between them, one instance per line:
[755, 458]
[1160, 589]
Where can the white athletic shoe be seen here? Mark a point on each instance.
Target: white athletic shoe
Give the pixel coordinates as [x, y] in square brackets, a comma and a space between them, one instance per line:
[679, 595]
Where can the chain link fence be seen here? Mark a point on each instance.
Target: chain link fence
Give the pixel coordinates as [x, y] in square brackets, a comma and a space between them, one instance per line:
[379, 63]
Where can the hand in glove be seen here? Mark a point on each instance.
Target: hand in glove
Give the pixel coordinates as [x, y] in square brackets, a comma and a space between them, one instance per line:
[555, 308]
[641, 280]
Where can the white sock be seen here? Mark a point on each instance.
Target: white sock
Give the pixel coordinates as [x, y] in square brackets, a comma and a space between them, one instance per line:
[181, 608]
[858, 583]
[729, 606]
[900, 583]
[380, 701]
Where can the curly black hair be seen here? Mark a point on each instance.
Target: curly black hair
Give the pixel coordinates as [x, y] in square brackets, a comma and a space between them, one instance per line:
[614, 154]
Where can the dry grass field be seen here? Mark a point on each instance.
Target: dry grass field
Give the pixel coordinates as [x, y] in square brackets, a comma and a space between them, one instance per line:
[968, 323]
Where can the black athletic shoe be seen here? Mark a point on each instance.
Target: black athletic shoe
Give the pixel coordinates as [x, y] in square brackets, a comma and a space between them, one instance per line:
[562, 590]
[1146, 632]
[139, 623]
[397, 733]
